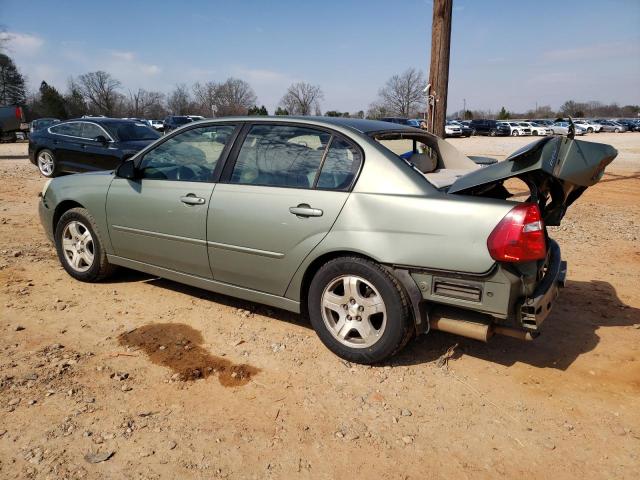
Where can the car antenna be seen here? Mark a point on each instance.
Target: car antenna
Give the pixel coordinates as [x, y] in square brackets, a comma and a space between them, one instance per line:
[572, 129]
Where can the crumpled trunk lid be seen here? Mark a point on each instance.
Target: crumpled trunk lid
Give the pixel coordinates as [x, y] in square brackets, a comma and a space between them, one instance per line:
[556, 169]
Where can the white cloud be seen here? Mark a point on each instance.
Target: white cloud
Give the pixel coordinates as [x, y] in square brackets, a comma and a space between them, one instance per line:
[126, 56]
[22, 44]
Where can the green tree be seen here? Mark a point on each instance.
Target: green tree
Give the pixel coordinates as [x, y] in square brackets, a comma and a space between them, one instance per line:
[263, 111]
[74, 101]
[467, 115]
[282, 111]
[504, 114]
[12, 88]
[52, 104]
[258, 111]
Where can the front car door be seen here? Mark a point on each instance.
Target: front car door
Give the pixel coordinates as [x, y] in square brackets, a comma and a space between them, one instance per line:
[97, 155]
[276, 202]
[160, 219]
[66, 139]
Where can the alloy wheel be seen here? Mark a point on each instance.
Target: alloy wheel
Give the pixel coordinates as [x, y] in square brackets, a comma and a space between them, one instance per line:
[353, 311]
[78, 246]
[45, 163]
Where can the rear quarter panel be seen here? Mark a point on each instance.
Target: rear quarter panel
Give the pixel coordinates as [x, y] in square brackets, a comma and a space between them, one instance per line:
[443, 232]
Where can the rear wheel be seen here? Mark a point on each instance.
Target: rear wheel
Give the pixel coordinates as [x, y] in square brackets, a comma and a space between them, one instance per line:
[79, 247]
[535, 133]
[589, 130]
[359, 311]
[46, 161]
[515, 133]
[617, 130]
[492, 133]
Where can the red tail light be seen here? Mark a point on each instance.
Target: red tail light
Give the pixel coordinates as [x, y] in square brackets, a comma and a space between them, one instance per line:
[519, 237]
[19, 113]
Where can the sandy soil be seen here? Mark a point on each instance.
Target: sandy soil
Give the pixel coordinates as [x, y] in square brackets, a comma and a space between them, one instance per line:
[100, 373]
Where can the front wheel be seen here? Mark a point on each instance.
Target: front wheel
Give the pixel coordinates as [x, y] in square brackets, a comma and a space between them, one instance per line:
[492, 133]
[359, 310]
[617, 130]
[515, 133]
[80, 248]
[46, 162]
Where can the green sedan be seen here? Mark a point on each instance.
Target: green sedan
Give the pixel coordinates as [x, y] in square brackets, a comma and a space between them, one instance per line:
[375, 231]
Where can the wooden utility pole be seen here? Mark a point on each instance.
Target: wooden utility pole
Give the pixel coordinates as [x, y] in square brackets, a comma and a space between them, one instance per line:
[439, 68]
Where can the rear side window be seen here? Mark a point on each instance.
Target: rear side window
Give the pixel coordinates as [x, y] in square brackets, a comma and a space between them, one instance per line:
[73, 129]
[280, 156]
[340, 166]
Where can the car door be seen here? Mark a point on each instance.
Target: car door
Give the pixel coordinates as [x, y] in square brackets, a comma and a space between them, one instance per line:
[160, 218]
[98, 155]
[65, 140]
[276, 202]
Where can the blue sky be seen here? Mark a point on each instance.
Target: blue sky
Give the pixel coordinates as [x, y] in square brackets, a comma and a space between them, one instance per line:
[503, 52]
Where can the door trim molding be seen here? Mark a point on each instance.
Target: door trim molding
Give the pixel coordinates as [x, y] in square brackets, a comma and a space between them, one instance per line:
[252, 251]
[164, 236]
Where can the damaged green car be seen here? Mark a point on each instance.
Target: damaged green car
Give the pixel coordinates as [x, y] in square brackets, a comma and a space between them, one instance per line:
[320, 216]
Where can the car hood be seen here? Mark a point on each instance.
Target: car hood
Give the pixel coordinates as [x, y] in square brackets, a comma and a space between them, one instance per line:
[557, 171]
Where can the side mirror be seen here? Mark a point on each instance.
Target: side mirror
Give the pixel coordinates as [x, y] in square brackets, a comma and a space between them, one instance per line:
[128, 170]
[101, 139]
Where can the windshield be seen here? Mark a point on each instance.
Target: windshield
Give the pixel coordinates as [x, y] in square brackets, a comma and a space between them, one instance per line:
[129, 131]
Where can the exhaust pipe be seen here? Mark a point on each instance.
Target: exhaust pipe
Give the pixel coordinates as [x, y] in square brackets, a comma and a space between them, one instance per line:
[458, 323]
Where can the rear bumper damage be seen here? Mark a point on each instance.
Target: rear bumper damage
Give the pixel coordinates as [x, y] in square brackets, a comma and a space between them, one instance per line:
[483, 306]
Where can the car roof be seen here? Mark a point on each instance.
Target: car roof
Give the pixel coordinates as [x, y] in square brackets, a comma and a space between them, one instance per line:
[105, 120]
[360, 125]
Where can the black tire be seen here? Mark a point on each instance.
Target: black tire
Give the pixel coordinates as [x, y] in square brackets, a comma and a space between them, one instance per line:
[492, 133]
[473, 133]
[617, 130]
[515, 133]
[535, 133]
[44, 169]
[399, 326]
[589, 130]
[99, 268]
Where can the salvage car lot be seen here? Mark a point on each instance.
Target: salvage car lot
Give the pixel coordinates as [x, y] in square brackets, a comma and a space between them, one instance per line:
[98, 368]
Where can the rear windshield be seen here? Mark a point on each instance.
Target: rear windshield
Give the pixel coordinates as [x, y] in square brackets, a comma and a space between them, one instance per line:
[129, 131]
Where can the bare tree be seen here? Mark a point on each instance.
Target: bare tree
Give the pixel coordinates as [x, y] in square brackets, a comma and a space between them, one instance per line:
[403, 94]
[302, 99]
[205, 98]
[234, 97]
[142, 102]
[101, 92]
[179, 100]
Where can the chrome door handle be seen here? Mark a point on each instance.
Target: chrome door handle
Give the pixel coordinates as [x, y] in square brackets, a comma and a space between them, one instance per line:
[304, 210]
[191, 199]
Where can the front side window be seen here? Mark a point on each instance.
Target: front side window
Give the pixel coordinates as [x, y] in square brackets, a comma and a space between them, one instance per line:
[91, 131]
[132, 131]
[190, 156]
[280, 156]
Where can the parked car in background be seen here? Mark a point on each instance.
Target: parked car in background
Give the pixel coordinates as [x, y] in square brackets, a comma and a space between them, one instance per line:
[452, 129]
[175, 121]
[631, 125]
[315, 228]
[157, 124]
[611, 126]
[398, 121]
[466, 130]
[12, 118]
[536, 129]
[541, 121]
[491, 128]
[515, 129]
[42, 123]
[588, 125]
[562, 128]
[195, 118]
[415, 122]
[87, 144]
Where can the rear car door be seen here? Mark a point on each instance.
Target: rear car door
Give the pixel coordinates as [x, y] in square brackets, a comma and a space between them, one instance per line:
[66, 144]
[160, 219]
[276, 202]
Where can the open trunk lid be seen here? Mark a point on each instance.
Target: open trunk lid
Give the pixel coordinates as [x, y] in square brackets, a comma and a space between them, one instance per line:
[556, 169]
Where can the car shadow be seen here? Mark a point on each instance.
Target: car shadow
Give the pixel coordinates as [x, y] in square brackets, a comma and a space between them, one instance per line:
[125, 275]
[570, 330]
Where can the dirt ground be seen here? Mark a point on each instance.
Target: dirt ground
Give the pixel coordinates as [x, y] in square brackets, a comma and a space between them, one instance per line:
[95, 379]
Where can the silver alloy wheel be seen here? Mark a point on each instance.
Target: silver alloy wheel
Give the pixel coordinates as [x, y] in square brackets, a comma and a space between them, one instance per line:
[45, 163]
[353, 311]
[77, 246]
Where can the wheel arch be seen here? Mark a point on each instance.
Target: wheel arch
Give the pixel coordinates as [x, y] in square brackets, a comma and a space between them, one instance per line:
[61, 208]
[315, 265]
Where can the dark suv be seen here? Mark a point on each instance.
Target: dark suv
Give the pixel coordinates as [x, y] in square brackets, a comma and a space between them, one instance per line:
[489, 127]
[175, 121]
